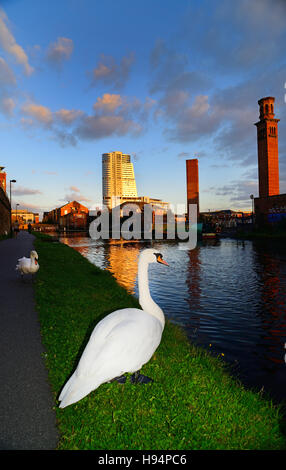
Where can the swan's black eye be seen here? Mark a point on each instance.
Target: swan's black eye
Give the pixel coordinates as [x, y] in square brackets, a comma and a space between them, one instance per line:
[158, 255]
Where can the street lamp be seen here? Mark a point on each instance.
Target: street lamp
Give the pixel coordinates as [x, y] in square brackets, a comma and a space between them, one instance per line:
[16, 211]
[11, 181]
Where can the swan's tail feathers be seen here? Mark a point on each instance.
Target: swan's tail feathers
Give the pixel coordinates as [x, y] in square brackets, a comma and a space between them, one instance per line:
[75, 389]
[18, 265]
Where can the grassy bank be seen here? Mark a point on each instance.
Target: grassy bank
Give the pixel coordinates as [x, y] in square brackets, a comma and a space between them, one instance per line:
[193, 402]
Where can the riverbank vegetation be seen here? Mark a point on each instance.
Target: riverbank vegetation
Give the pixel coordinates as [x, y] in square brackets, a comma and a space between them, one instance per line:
[193, 403]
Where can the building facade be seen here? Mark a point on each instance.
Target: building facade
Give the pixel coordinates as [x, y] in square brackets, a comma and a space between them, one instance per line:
[158, 206]
[118, 180]
[5, 214]
[70, 216]
[25, 217]
[2, 179]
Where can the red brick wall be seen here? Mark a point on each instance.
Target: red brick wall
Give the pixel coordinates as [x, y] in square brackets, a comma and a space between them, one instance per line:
[54, 215]
[4, 213]
[192, 167]
[70, 206]
[3, 181]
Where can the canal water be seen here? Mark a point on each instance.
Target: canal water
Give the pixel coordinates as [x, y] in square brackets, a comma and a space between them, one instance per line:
[228, 295]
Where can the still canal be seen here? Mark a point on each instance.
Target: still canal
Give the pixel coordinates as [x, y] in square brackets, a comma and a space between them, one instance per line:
[229, 295]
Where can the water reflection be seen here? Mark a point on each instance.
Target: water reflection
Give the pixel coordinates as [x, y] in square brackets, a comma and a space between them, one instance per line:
[229, 294]
[122, 262]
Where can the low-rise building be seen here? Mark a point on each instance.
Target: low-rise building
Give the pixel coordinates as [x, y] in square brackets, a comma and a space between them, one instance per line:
[270, 209]
[70, 216]
[25, 217]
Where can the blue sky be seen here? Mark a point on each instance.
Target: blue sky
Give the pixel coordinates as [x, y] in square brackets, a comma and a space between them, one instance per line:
[162, 80]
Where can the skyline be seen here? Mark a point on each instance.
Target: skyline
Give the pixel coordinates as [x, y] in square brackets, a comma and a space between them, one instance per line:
[161, 81]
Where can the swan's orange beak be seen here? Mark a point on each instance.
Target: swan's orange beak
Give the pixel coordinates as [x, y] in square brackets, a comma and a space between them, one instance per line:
[36, 261]
[162, 261]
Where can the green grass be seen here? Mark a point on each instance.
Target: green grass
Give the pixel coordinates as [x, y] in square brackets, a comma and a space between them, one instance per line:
[193, 402]
[5, 236]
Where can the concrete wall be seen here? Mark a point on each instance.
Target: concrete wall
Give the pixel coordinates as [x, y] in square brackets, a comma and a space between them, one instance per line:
[4, 213]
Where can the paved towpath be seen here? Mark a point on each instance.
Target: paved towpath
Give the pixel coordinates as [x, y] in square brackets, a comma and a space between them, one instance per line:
[27, 420]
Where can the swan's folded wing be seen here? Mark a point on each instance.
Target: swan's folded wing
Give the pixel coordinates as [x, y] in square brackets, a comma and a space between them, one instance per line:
[125, 348]
[23, 263]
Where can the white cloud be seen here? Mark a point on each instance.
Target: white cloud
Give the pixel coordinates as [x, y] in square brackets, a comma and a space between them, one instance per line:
[22, 191]
[75, 195]
[9, 44]
[108, 103]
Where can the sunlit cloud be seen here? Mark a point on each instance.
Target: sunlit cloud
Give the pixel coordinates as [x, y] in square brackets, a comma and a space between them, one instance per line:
[74, 188]
[68, 116]
[96, 127]
[9, 44]
[38, 113]
[75, 195]
[111, 73]
[60, 50]
[113, 115]
[108, 103]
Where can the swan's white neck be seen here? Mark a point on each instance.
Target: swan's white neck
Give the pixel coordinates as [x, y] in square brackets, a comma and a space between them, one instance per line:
[145, 299]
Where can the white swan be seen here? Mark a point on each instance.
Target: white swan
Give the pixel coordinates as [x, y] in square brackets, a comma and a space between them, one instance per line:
[122, 342]
[28, 265]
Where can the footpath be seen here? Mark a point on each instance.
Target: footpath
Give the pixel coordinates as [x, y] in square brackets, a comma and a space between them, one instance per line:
[27, 418]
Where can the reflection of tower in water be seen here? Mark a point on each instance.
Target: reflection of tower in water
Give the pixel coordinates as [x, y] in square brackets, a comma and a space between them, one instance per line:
[273, 300]
[194, 287]
[123, 264]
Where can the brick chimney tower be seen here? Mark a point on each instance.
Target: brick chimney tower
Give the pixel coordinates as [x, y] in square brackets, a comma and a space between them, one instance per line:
[2, 179]
[192, 167]
[267, 145]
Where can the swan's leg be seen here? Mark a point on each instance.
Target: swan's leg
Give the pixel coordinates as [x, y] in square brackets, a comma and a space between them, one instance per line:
[120, 380]
[138, 378]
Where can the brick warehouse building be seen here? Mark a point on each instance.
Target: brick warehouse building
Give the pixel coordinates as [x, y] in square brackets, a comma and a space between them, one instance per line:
[270, 206]
[70, 216]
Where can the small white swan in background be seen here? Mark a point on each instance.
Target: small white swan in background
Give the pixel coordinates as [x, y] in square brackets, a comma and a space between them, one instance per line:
[28, 265]
[122, 342]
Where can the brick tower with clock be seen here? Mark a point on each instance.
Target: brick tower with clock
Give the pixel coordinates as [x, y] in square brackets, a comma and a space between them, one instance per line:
[267, 143]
